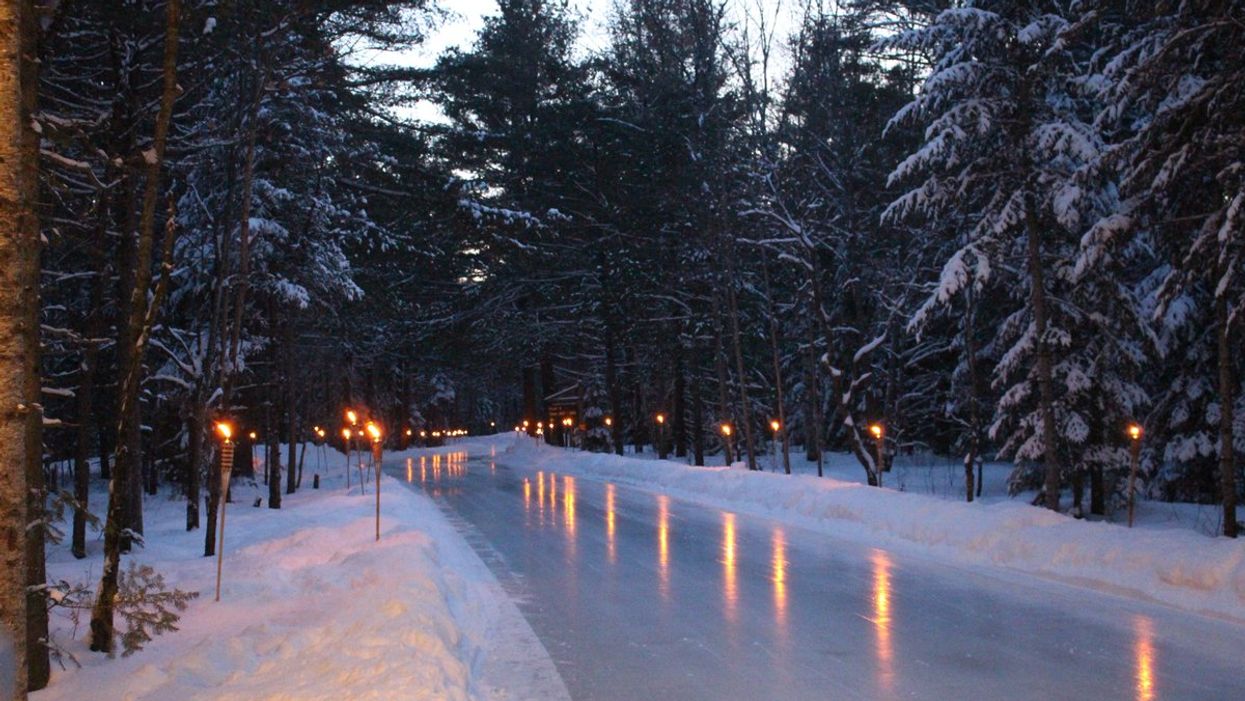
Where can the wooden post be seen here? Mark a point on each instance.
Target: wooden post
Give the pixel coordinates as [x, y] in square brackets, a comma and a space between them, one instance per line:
[880, 437]
[377, 449]
[1134, 433]
[226, 467]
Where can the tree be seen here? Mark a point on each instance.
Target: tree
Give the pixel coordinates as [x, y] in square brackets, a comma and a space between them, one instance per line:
[1177, 66]
[22, 607]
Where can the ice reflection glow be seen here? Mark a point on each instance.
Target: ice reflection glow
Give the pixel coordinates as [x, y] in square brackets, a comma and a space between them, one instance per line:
[882, 618]
[663, 546]
[778, 565]
[610, 526]
[568, 506]
[730, 584]
[1143, 652]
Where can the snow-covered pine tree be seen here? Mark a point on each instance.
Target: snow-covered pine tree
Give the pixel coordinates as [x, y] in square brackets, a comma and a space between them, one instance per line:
[1172, 99]
[1009, 144]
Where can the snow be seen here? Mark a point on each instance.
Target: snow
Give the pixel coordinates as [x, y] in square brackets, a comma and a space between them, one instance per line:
[313, 608]
[1178, 567]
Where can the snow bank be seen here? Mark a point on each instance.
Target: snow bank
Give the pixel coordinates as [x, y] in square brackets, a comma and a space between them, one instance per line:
[313, 608]
[1176, 567]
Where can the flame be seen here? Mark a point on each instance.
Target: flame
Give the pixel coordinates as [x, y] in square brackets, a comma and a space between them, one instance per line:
[225, 430]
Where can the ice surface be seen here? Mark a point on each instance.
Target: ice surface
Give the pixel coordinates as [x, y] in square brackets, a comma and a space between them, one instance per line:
[643, 595]
[1177, 567]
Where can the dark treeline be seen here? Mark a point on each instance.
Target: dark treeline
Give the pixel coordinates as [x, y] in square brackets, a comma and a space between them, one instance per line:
[998, 229]
[1002, 229]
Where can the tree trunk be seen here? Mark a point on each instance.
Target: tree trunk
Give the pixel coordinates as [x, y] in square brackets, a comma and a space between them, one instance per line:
[614, 387]
[613, 384]
[547, 381]
[85, 440]
[813, 417]
[698, 418]
[678, 419]
[291, 434]
[135, 332]
[1227, 457]
[974, 404]
[530, 414]
[719, 364]
[194, 458]
[1097, 490]
[1046, 386]
[781, 412]
[234, 337]
[22, 610]
[105, 450]
[736, 342]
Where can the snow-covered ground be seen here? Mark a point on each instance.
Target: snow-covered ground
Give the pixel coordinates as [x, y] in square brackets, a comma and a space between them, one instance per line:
[1178, 567]
[313, 608]
[942, 476]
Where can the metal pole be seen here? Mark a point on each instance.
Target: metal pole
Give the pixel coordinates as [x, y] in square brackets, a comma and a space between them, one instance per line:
[1132, 479]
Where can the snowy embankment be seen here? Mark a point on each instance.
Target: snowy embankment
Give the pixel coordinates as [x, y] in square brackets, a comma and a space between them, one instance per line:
[314, 608]
[1176, 567]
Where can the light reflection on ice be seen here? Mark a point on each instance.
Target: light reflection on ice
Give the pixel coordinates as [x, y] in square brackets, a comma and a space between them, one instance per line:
[778, 565]
[568, 512]
[663, 546]
[610, 527]
[882, 619]
[730, 584]
[1143, 651]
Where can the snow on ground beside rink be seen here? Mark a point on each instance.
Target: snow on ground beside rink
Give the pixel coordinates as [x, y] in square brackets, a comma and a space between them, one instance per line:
[1178, 567]
[313, 608]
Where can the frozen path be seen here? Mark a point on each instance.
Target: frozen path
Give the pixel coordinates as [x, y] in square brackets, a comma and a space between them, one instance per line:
[644, 596]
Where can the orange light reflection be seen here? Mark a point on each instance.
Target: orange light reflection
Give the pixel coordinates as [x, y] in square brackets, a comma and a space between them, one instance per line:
[730, 585]
[610, 541]
[568, 505]
[779, 567]
[1143, 651]
[882, 619]
[663, 546]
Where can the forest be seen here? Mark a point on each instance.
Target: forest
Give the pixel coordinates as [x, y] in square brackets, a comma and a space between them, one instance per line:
[1000, 230]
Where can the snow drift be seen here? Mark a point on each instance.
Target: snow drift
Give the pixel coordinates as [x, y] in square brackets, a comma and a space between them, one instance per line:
[313, 608]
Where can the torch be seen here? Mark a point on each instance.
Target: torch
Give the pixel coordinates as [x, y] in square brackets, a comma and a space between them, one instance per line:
[226, 467]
